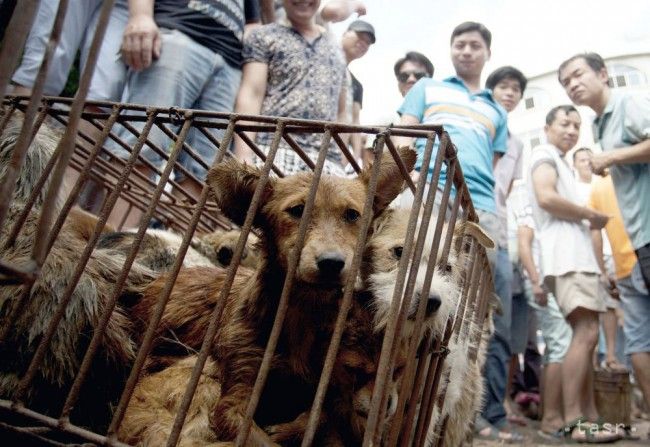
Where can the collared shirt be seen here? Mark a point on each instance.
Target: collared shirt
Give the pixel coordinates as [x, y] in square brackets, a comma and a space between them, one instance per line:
[565, 245]
[476, 124]
[626, 122]
[304, 78]
[508, 168]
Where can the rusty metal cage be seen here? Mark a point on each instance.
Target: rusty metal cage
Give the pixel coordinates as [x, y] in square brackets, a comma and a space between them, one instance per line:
[87, 127]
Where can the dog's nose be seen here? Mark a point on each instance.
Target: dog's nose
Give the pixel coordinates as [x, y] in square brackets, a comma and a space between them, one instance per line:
[224, 255]
[330, 264]
[433, 304]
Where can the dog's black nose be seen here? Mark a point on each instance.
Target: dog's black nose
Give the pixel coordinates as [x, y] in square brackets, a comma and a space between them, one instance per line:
[330, 264]
[433, 304]
[224, 256]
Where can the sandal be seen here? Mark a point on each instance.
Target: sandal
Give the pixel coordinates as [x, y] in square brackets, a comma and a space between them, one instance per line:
[593, 433]
[556, 437]
[494, 434]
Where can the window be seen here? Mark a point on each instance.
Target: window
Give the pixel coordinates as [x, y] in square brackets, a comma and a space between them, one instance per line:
[621, 75]
[536, 97]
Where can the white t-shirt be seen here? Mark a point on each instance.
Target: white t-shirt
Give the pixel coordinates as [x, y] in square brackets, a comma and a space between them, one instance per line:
[565, 245]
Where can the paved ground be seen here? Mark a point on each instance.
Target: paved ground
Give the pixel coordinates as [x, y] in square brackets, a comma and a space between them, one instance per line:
[641, 428]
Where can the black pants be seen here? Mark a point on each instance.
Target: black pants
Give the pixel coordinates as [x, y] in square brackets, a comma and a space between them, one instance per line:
[643, 255]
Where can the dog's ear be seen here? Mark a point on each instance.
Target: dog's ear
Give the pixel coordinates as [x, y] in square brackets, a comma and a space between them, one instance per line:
[474, 230]
[233, 184]
[390, 181]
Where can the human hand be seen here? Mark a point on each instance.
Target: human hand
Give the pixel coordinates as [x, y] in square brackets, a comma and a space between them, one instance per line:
[600, 162]
[141, 42]
[359, 8]
[610, 285]
[597, 221]
[415, 176]
[540, 294]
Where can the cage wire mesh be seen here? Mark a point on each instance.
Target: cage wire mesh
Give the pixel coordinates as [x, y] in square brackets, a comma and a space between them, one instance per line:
[76, 358]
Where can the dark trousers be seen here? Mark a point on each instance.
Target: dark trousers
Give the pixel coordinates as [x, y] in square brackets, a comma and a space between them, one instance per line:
[643, 255]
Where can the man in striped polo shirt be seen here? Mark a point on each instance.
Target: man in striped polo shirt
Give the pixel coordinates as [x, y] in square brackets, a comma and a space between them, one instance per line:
[477, 125]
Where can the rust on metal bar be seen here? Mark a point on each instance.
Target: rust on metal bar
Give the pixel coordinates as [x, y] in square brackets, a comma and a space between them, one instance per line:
[301, 153]
[230, 275]
[400, 165]
[98, 332]
[12, 48]
[346, 152]
[384, 367]
[283, 305]
[339, 327]
[241, 134]
[67, 295]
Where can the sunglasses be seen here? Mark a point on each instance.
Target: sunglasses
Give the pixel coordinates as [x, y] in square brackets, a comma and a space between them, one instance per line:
[405, 75]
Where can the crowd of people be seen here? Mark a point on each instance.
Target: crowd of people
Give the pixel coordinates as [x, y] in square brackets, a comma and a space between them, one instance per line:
[216, 55]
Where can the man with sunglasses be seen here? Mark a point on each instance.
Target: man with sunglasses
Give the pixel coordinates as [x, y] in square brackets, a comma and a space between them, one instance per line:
[410, 69]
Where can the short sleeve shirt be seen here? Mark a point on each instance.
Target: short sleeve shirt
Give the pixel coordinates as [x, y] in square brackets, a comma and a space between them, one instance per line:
[626, 122]
[304, 78]
[508, 168]
[565, 245]
[603, 199]
[476, 124]
[215, 24]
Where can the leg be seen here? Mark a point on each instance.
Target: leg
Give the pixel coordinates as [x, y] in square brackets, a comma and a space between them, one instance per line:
[78, 15]
[609, 322]
[636, 314]
[577, 362]
[552, 418]
[498, 356]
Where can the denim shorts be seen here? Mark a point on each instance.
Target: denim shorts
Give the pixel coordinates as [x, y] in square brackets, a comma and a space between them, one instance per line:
[636, 316]
[187, 75]
[78, 30]
[555, 330]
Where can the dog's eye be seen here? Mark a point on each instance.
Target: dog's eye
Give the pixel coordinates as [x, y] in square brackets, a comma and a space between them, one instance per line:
[351, 215]
[397, 252]
[296, 211]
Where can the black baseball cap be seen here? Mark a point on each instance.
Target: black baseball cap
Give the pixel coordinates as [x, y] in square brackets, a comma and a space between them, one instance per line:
[363, 27]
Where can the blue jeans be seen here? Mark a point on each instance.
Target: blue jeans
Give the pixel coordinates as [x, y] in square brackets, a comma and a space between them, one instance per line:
[187, 75]
[78, 30]
[636, 315]
[499, 353]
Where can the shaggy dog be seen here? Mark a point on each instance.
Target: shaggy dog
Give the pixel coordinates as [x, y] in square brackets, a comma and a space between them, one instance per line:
[90, 295]
[250, 306]
[381, 265]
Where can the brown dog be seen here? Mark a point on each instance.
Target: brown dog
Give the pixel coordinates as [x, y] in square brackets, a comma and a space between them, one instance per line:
[89, 299]
[251, 303]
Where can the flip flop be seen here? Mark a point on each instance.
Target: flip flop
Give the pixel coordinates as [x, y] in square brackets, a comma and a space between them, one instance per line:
[556, 437]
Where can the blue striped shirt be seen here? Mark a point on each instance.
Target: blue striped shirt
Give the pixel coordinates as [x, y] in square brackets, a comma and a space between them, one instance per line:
[476, 124]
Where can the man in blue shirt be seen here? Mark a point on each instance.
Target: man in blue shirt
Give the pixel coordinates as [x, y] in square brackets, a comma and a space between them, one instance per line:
[477, 125]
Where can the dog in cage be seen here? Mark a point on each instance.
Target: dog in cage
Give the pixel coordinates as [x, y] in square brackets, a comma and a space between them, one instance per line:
[159, 248]
[219, 247]
[26, 311]
[381, 265]
[250, 306]
[157, 396]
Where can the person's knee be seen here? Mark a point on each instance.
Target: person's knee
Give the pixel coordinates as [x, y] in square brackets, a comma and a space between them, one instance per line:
[585, 327]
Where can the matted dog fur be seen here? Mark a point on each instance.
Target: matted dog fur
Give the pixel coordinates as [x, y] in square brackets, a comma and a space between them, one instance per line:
[250, 306]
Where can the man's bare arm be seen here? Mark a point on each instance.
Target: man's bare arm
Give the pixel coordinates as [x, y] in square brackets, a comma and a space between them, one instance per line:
[339, 10]
[405, 120]
[639, 153]
[545, 183]
[249, 101]
[525, 237]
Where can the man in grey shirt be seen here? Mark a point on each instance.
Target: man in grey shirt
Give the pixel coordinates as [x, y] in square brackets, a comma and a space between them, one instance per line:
[622, 126]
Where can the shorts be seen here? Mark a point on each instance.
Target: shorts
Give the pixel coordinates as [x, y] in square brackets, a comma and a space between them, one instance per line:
[576, 289]
[636, 315]
[78, 30]
[187, 75]
[643, 255]
[555, 330]
[610, 303]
